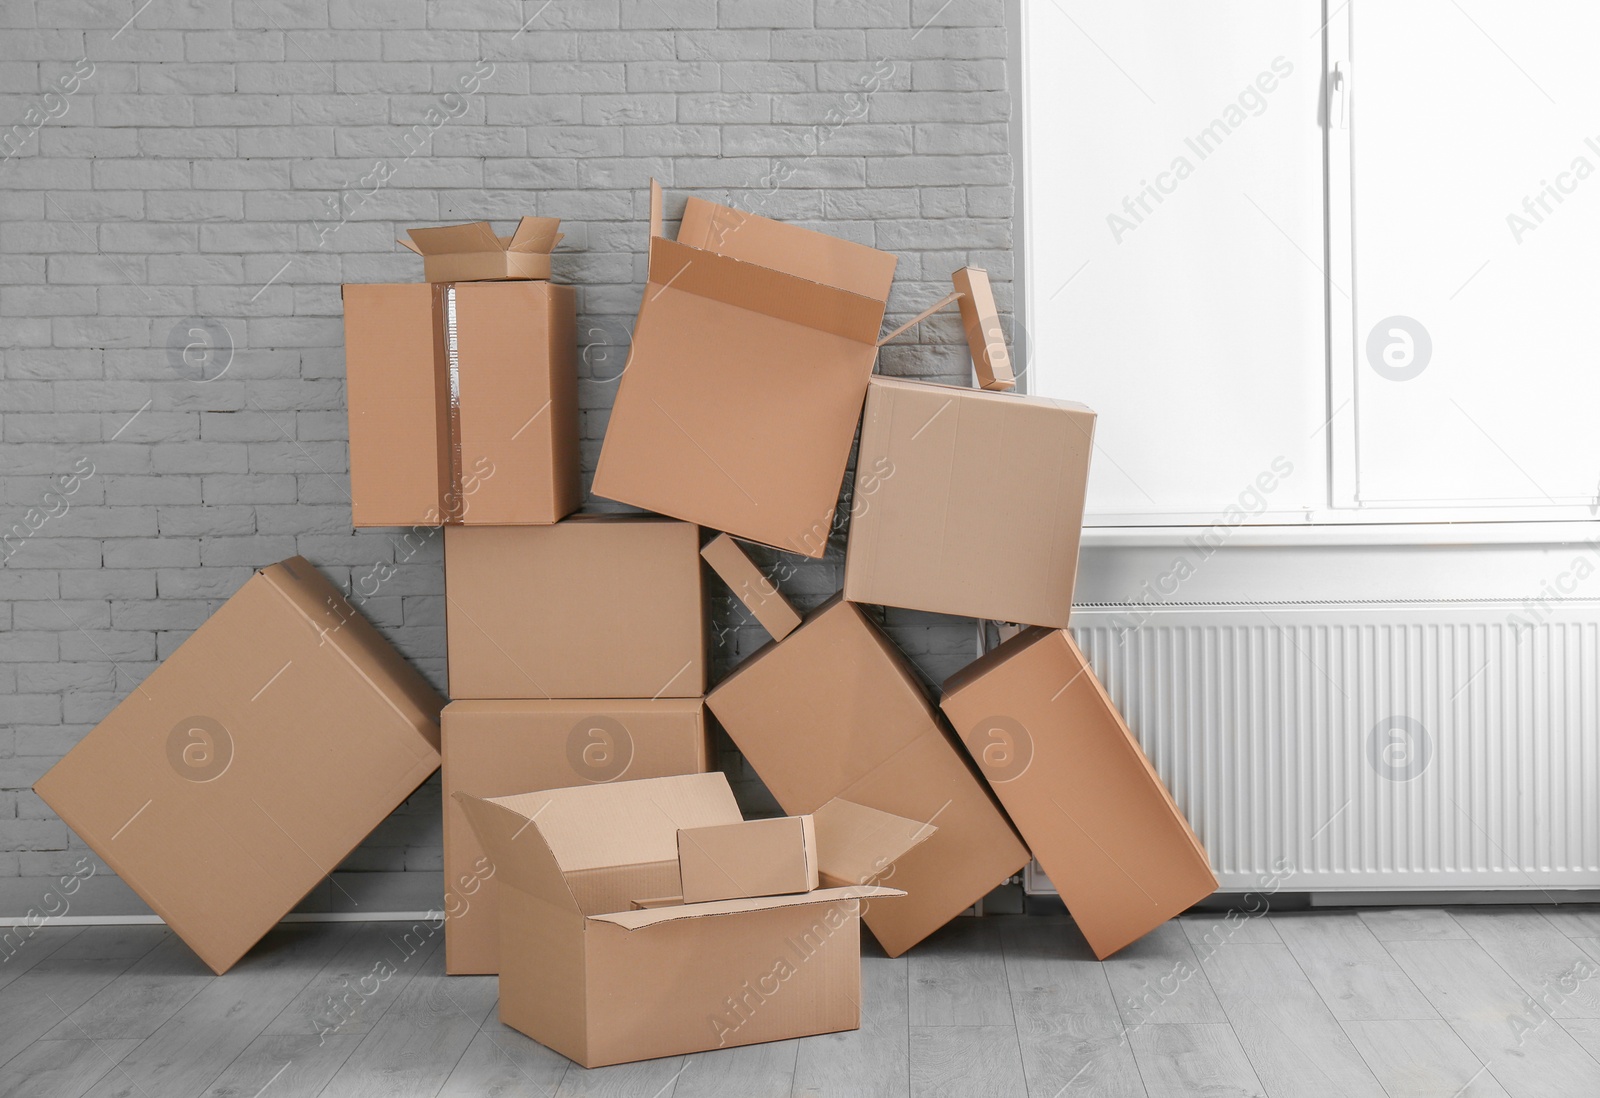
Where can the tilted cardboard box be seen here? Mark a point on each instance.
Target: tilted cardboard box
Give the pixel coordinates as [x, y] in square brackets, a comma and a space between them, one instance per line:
[750, 360]
[587, 972]
[968, 502]
[751, 858]
[833, 710]
[473, 253]
[597, 606]
[496, 748]
[463, 402]
[244, 768]
[1080, 789]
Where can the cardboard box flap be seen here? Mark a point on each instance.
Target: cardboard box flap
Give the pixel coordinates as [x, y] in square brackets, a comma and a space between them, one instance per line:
[647, 917]
[534, 234]
[804, 253]
[730, 561]
[475, 236]
[518, 852]
[342, 626]
[746, 285]
[624, 824]
[856, 844]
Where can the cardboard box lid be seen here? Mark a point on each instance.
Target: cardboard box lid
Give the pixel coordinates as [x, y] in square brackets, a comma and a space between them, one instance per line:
[1079, 787]
[976, 504]
[750, 358]
[251, 762]
[472, 252]
[654, 916]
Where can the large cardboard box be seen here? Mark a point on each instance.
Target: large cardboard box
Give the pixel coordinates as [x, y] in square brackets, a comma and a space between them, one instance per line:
[463, 402]
[496, 748]
[597, 606]
[750, 360]
[968, 502]
[1063, 762]
[602, 981]
[244, 768]
[833, 710]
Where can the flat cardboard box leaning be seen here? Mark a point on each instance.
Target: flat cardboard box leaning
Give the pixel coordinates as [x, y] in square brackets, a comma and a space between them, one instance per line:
[594, 857]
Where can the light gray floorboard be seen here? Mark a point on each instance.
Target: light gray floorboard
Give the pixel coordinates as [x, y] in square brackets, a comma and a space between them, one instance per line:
[413, 1049]
[643, 1079]
[966, 1062]
[1526, 1050]
[1417, 1058]
[32, 1004]
[1239, 926]
[204, 1036]
[21, 954]
[870, 1062]
[61, 1069]
[1411, 924]
[284, 1067]
[1574, 920]
[958, 977]
[1553, 969]
[142, 997]
[115, 941]
[1186, 1060]
[1157, 981]
[501, 1063]
[739, 1072]
[1287, 1031]
[1350, 968]
[359, 983]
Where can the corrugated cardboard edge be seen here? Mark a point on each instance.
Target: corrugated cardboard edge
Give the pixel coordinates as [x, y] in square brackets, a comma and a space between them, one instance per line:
[641, 919]
[729, 560]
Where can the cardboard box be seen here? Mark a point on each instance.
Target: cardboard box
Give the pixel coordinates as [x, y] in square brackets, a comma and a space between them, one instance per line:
[980, 320]
[244, 768]
[496, 748]
[750, 359]
[754, 858]
[1075, 781]
[463, 403]
[587, 973]
[968, 502]
[833, 710]
[473, 253]
[759, 595]
[597, 606]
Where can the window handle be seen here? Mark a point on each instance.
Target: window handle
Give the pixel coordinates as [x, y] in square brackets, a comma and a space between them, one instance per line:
[1339, 95]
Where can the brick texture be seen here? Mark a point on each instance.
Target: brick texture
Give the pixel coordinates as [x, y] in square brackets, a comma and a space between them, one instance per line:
[185, 185]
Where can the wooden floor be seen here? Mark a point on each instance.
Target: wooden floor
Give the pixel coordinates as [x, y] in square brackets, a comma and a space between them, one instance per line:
[1404, 1003]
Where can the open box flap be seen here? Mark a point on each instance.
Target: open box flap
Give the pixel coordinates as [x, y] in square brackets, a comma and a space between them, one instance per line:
[521, 857]
[857, 844]
[535, 234]
[638, 920]
[475, 236]
[623, 824]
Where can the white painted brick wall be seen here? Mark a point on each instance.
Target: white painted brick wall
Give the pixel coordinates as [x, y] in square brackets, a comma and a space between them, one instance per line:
[189, 175]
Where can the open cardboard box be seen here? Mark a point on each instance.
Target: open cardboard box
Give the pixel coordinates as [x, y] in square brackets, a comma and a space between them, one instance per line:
[596, 965]
[495, 748]
[463, 397]
[832, 710]
[240, 773]
[750, 360]
[1078, 786]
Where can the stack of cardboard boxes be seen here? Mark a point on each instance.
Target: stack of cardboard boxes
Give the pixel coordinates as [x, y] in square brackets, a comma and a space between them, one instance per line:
[593, 857]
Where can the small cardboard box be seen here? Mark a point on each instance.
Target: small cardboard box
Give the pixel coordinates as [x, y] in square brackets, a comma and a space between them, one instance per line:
[754, 858]
[597, 606]
[834, 711]
[750, 360]
[1063, 762]
[243, 769]
[980, 320]
[463, 403]
[473, 253]
[589, 971]
[968, 502]
[496, 748]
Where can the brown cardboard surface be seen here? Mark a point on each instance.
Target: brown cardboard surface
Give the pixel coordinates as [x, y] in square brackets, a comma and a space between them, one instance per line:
[631, 982]
[1063, 762]
[752, 588]
[750, 359]
[486, 436]
[833, 710]
[754, 858]
[968, 502]
[472, 252]
[596, 606]
[245, 767]
[857, 843]
[497, 748]
[980, 319]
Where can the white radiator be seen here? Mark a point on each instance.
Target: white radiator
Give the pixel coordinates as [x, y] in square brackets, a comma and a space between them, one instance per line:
[1369, 748]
